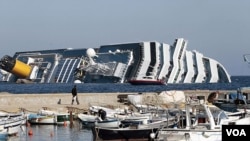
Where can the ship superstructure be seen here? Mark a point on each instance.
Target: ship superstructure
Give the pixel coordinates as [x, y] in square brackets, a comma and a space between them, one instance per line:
[136, 63]
[190, 67]
[106, 67]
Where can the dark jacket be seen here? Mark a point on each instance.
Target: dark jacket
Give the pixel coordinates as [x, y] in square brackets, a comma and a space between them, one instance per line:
[74, 91]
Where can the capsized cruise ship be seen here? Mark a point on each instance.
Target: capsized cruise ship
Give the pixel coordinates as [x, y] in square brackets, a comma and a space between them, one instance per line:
[136, 63]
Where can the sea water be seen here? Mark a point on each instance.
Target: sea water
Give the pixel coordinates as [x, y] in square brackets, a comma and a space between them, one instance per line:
[77, 132]
[237, 82]
[53, 133]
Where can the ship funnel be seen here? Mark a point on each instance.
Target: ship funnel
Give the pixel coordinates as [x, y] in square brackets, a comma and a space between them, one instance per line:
[14, 66]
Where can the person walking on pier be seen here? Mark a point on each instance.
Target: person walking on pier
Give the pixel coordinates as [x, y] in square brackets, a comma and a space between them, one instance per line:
[74, 95]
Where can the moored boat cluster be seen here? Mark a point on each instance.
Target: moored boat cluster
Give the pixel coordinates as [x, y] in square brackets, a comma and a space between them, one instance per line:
[166, 115]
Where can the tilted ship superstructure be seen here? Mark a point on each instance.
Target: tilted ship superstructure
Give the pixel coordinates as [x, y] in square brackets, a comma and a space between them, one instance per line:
[135, 63]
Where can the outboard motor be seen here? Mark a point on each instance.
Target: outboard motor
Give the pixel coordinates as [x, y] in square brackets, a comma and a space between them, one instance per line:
[102, 114]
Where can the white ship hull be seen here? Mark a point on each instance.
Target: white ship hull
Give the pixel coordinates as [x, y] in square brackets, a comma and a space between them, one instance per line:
[119, 63]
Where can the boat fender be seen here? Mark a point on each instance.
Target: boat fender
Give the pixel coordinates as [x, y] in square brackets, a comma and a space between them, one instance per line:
[51, 134]
[64, 123]
[30, 132]
[152, 135]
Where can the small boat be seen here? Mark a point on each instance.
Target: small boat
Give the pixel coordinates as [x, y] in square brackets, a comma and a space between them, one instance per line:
[6, 114]
[122, 133]
[90, 121]
[87, 120]
[41, 119]
[111, 112]
[134, 120]
[62, 118]
[134, 132]
[11, 124]
[137, 126]
[108, 123]
[49, 117]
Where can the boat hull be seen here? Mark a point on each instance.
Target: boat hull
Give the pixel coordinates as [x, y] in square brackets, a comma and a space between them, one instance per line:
[4, 135]
[147, 82]
[184, 135]
[108, 123]
[61, 119]
[11, 125]
[91, 121]
[132, 132]
[42, 120]
[122, 133]
[146, 63]
[88, 121]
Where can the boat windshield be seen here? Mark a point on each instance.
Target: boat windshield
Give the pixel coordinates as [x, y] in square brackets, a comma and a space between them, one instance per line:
[234, 96]
[219, 114]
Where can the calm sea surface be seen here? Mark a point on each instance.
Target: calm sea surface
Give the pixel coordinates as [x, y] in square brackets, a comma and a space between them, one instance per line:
[77, 133]
[53, 133]
[237, 81]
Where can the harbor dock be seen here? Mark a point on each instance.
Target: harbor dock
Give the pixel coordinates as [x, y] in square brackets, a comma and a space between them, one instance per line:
[33, 102]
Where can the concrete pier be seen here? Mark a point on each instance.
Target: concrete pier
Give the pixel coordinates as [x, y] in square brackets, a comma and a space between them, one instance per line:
[34, 102]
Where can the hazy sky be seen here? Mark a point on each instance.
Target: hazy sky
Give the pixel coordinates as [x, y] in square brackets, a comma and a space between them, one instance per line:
[219, 29]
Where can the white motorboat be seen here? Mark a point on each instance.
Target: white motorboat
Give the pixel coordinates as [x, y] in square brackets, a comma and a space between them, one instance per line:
[49, 117]
[94, 120]
[108, 123]
[11, 124]
[87, 120]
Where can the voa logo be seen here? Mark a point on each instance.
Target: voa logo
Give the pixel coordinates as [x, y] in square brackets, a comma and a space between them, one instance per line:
[236, 132]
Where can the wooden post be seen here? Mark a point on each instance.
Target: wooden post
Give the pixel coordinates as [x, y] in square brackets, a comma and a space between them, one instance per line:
[71, 118]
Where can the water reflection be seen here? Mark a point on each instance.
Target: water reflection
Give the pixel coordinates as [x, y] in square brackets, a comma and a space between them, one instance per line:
[53, 133]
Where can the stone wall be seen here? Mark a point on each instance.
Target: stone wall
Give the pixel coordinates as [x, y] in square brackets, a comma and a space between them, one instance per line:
[34, 102]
